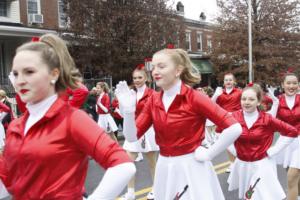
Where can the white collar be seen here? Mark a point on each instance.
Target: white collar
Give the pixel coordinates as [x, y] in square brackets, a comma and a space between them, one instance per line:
[41, 107]
[228, 90]
[252, 114]
[174, 90]
[290, 97]
[141, 89]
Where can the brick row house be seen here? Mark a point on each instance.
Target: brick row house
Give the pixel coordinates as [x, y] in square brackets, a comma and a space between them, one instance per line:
[20, 20]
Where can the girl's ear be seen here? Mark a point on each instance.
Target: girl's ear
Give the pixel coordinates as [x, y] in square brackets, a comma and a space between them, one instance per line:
[55, 73]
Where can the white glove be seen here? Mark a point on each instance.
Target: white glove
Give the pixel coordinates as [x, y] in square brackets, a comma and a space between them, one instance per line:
[270, 93]
[126, 97]
[281, 143]
[275, 105]
[227, 137]
[113, 182]
[232, 150]
[12, 79]
[217, 93]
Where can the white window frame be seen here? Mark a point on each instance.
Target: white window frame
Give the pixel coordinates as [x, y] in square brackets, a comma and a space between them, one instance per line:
[200, 40]
[38, 7]
[209, 43]
[188, 39]
[61, 23]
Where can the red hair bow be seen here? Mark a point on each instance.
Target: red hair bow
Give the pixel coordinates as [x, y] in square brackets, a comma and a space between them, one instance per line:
[35, 39]
[291, 69]
[140, 66]
[250, 84]
[170, 46]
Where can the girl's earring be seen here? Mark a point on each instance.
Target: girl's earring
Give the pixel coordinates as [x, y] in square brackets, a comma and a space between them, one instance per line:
[53, 82]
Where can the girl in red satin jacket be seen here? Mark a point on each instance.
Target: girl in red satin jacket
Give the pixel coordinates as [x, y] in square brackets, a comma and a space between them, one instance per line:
[105, 119]
[46, 149]
[229, 99]
[178, 114]
[254, 152]
[289, 111]
[146, 144]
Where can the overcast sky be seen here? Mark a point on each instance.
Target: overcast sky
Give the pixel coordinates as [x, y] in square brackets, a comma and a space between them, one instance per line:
[193, 8]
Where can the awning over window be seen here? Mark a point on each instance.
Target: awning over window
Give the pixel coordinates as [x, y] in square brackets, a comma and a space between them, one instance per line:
[23, 31]
[204, 66]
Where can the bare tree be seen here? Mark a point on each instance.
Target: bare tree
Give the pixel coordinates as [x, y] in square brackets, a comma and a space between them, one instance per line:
[276, 38]
[116, 35]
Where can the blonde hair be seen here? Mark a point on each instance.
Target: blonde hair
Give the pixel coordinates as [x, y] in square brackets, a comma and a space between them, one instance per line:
[190, 75]
[2, 93]
[104, 86]
[257, 89]
[55, 54]
[143, 71]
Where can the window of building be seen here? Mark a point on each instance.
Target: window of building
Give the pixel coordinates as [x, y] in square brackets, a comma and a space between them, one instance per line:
[188, 41]
[3, 8]
[33, 6]
[209, 43]
[62, 17]
[199, 41]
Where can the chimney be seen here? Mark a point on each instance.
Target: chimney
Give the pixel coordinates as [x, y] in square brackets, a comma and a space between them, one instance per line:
[180, 8]
[202, 16]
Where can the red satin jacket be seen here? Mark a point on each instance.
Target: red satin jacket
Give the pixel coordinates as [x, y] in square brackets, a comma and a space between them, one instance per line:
[232, 101]
[105, 102]
[266, 103]
[142, 102]
[115, 105]
[4, 108]
[253, 143]
[290, 116]
[51, 161]
[180, 130]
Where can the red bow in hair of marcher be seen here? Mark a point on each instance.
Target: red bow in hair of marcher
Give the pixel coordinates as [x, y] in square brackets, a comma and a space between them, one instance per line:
[250, 84]
[170, 46]
[140, 66]
[35, 39]
[148, 59]
[291, 70]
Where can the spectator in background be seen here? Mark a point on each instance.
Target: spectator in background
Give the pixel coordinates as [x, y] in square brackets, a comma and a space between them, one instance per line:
[116, 113]
[76, 97]
[6, 114]
[90, 104]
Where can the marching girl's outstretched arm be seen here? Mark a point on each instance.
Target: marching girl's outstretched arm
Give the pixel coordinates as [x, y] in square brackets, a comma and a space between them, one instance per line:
[226, 138]
[127, 103]
[275, 105]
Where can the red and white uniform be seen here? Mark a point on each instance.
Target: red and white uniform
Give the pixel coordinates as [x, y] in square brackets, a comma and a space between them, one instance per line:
[147, 142]
[178, 117]
[230, 101]
[266, 103]
[289, 111]
[105, 119]
[252, 159]
[45, 155]
[116, 113]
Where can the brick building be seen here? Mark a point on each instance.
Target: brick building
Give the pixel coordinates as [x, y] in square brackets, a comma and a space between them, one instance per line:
[20, 20]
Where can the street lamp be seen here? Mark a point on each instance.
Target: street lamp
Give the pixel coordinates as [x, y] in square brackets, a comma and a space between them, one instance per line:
[250, 42]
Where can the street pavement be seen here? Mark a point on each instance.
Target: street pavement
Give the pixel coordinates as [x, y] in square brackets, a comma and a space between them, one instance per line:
[144, 182]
